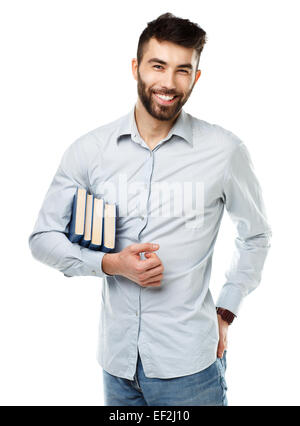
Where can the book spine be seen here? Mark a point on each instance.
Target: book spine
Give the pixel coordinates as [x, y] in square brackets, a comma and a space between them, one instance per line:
[95, 247]
[74, 238]
[85, 243]
[73, 214]
[103, 224]
[106, 250]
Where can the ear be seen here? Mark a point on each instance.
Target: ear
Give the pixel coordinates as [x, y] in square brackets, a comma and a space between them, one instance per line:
[198, 73]
[134, 66]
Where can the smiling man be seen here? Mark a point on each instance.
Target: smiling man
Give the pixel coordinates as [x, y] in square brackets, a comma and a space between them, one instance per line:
[166, 77]
[162, 339]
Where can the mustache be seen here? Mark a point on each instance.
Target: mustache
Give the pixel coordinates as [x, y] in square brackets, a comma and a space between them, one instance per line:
[157, 92]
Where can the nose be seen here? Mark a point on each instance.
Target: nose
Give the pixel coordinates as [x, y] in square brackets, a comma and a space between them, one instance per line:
[168, 81]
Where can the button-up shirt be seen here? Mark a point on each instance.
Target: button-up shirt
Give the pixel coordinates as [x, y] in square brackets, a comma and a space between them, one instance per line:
[173, 195]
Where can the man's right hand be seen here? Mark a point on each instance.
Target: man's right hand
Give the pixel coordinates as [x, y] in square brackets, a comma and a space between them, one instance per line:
[146, 273]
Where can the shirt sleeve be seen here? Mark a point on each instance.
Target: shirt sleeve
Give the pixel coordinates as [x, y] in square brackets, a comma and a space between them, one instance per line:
[48, 241]
[244, 203]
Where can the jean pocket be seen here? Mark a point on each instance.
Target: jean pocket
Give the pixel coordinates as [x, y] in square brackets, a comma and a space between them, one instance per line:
[222, 381]
[222, 364]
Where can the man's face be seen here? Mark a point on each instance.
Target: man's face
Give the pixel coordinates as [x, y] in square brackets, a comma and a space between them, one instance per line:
[168, 78]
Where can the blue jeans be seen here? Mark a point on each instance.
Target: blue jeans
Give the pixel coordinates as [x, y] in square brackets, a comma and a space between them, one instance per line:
[204, 388]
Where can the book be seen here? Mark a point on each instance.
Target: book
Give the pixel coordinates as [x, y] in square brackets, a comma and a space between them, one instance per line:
[86, 239]
[109, 229]
[76, 226]
[93, 222]
[97, 224]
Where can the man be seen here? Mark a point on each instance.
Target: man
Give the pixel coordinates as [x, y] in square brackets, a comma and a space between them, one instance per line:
[161, 340]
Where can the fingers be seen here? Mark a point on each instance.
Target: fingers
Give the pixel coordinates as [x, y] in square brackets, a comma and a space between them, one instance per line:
[149, 274]
[142, 247]
[151, 261]
[154, 284]
[153, 280]
[148, 271]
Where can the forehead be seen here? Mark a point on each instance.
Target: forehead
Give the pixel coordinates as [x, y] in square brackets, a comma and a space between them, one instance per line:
[169, 52]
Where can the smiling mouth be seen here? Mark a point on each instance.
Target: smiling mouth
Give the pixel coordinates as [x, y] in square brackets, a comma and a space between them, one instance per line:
[164, 99]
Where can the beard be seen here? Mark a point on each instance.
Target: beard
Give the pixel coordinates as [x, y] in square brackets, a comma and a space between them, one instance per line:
[156, 110]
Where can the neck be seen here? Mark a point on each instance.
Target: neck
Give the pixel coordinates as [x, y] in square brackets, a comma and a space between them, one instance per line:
[151, 129]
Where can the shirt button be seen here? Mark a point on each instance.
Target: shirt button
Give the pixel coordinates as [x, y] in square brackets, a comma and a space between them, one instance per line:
[142, 217]
[136, 313]
[94, 272]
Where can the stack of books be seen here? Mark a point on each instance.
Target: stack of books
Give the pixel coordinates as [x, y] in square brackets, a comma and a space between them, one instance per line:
[93, 222]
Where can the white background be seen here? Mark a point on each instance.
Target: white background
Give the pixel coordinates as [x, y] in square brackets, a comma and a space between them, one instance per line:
[66, 69]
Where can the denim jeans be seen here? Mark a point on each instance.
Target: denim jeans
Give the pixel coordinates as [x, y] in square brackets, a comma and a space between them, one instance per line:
[204, 388]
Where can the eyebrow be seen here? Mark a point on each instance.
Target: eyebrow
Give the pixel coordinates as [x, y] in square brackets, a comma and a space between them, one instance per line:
[165, 63]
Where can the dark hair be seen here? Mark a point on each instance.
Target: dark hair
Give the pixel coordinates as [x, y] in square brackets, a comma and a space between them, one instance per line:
[168, 27]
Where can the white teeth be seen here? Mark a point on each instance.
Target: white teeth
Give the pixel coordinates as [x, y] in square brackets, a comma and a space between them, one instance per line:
[165, 98]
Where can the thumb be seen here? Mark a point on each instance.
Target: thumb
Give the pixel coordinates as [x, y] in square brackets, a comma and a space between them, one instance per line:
[220, 349]
[143, 247]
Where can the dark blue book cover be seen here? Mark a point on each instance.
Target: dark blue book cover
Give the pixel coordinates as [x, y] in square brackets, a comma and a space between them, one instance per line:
[76, 226]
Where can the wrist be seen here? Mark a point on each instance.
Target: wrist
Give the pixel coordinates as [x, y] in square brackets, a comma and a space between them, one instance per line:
[110, 263]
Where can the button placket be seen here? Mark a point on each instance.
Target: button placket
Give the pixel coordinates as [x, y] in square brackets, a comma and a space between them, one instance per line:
[147, 185]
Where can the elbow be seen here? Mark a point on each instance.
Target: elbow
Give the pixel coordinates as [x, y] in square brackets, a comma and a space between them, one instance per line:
[261, 240]
[264, 240]
[41, 245]
[45, 247]
[33, 242]
[52, 248]
[267, 238]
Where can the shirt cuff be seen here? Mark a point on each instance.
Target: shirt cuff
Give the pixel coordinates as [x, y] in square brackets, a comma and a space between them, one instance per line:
[93, 261]
[230, 298]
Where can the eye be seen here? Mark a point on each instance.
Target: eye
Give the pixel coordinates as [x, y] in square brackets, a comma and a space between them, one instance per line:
[185, 71]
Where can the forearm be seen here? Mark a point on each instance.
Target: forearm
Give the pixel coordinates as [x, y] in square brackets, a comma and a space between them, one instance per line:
[54, 249]
[245, 272]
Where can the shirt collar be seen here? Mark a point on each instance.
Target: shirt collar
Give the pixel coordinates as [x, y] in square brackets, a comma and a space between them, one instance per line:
[182, 126]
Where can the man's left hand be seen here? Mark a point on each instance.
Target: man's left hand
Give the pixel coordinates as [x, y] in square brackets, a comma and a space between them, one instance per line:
[223, 330]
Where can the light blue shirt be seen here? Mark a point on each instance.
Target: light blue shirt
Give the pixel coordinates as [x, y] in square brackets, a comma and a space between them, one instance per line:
[173, 195]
